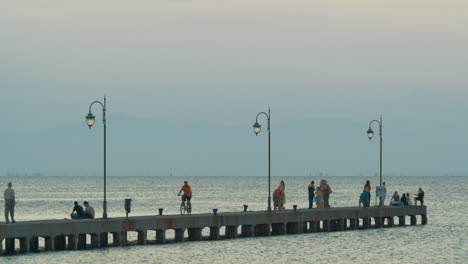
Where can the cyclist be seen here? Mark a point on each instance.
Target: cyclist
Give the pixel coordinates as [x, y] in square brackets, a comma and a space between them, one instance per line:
[187, 193]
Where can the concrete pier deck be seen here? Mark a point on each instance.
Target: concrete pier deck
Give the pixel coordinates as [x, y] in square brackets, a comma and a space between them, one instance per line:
[83, 234]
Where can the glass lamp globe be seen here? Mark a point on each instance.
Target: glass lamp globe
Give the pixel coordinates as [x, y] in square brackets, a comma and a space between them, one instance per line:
[257, 127]
[90, 120]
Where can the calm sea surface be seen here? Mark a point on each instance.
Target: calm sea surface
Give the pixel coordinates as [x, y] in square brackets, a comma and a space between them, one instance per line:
[443, 240]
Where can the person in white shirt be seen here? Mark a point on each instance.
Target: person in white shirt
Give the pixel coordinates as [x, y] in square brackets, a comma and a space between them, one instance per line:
[9, 196]
[89, 210]
[384, 192]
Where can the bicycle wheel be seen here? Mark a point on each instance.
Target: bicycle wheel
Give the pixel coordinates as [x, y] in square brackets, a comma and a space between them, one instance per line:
[189, 208]
[183, 208]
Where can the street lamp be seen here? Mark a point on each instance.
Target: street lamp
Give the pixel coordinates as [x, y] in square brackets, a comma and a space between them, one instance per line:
[370, 135]
[90, 120]
[257, 128]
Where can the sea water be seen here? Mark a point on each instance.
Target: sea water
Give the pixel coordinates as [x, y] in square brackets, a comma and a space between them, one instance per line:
[443, 240]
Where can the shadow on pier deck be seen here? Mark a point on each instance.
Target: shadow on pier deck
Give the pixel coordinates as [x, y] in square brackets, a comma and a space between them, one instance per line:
[50, 235]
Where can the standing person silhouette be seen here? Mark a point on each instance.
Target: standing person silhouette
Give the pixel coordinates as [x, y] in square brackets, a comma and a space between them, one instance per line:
[9, 196]
[311, 189]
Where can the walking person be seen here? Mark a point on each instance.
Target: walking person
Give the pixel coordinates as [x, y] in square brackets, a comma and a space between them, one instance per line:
[88, 211]
[311, 189]
[367, 189]
[9, 196]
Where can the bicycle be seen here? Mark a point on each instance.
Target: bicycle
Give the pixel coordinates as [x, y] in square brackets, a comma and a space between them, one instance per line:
[185, 208]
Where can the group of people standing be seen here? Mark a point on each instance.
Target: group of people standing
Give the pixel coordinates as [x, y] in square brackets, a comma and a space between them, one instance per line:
[365, 197]
[321, 194]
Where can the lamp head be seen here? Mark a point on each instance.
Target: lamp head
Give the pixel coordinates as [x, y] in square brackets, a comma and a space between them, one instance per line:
[370, 133]
[90, 120]
[257, 127]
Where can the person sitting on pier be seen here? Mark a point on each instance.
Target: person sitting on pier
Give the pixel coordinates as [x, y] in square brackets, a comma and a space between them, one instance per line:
[408, 199]
[277, 199]
[89, 210]
[395, 199]
[403, 200]
[79, 211]
[419, 197]
[364, 199]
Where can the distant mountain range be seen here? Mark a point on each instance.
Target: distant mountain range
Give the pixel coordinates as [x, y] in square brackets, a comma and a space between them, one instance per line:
[144, 147]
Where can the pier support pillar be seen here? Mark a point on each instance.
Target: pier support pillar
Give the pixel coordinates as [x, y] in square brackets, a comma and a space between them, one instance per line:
[413, 219]
[116, 238]
[195, 234]
[72, 242]
[278, 229]
[312, 227]
[378, 222]
[340, 224]
[247, 230]
[326, 225]
[179, 235]
[95, 241]
[82, 241]
[123, 238]
[142, 237]
[353, 223]
[423, 219]
[390, 221]
[401, 220]
[160, 236]
[34, 244]
[10, 245]
[365, 223]
[60, 242]
[292, 228]
[231, 231]
[304, 228]
[214, 232]
[49, 244]
[24, 244]
[104, 239]
[262, 230]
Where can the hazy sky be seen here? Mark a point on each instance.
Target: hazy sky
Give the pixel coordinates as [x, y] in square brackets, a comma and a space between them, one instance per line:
[222, 61]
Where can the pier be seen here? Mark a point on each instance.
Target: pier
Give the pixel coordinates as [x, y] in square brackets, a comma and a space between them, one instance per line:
[53, 235]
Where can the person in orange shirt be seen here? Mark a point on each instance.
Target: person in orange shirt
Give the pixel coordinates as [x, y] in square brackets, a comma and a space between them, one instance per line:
[187, 192]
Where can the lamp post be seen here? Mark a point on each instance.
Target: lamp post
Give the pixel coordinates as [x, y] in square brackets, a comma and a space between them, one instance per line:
[370, 135]
[90, 119]
[257, 128]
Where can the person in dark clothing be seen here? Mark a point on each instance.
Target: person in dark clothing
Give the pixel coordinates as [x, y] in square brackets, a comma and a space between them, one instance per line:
[419, 197]
[367, 190]
[403, 200]
[79, 211]
[311, 190]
